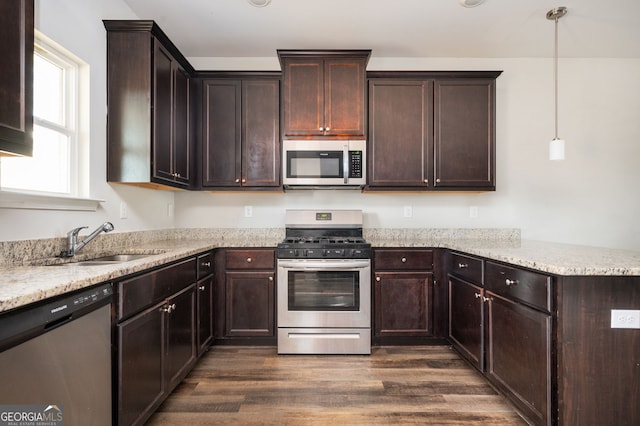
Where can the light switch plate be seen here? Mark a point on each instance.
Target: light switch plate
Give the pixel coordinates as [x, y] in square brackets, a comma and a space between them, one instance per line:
[624, 318]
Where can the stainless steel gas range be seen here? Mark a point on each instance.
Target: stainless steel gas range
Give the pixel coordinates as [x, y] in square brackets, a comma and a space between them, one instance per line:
[324, 284]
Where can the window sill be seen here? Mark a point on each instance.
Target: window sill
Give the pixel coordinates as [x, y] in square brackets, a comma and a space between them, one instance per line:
[22, 200]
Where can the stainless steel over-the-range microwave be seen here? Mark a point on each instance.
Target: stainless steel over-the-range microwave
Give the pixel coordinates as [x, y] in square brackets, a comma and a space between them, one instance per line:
[324, 163]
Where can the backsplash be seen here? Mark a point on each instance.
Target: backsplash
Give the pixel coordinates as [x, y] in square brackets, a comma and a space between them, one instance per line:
[29, 251]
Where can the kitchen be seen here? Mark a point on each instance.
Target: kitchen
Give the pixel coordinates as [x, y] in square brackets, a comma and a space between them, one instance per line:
[551, 201]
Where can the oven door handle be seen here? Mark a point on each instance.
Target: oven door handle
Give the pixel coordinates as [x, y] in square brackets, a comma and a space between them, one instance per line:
[322, 265]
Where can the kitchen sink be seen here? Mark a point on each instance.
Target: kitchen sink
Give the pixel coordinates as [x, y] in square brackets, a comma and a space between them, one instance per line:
[116, 258]
[105, 260]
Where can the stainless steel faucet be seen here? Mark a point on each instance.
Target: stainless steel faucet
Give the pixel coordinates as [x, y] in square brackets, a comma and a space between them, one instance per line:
[73, 246]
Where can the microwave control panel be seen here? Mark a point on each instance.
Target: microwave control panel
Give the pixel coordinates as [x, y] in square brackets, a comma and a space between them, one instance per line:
[355, 164]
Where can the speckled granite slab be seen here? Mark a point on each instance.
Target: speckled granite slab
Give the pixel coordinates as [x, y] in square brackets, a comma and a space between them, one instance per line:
[26, 274]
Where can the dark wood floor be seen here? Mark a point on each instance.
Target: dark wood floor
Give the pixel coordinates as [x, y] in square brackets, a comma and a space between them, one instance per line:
[395, 385]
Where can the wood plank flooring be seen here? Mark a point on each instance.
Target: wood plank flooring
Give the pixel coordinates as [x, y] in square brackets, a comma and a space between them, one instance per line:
[234, 385]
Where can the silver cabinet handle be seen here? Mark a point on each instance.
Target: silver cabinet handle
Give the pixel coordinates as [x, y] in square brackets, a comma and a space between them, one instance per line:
[201, 288]
[486, 299]
[509, 282]
[206, 264]
[169, 308]
[462, 265]
[477, 295]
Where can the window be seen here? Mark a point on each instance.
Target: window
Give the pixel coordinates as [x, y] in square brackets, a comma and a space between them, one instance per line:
[58, 151]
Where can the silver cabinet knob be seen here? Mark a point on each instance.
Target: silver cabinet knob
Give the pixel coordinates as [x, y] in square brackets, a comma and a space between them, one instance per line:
[201, 288]
[403, 260]
[509, 282]
[378, 279]
[462, 265]
[249, 260]
[237, 180]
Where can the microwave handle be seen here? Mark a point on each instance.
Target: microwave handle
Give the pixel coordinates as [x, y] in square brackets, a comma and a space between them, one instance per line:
[345, 163]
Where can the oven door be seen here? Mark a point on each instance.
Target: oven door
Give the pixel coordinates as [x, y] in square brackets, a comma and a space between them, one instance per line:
[324, 293]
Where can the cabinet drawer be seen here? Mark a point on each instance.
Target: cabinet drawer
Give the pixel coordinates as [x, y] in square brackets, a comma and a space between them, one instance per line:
[144, 290]
[205, 264]
[466, 267]
[250, 259]
[529, 287]
[403, 259]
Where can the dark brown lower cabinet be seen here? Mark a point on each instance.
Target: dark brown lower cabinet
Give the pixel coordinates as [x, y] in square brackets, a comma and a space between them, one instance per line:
[180, 324]
[245, 296]
[404, 291]
[205, 313]
[140, 387]
[519, 355]
[403, 304]
[156, 350]
[466, 320]
[250, 304]
[156, 338]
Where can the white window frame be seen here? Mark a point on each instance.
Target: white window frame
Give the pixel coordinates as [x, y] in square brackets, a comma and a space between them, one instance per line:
[76, 127]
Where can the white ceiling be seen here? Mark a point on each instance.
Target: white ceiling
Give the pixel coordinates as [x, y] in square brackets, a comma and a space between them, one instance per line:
[398, 28]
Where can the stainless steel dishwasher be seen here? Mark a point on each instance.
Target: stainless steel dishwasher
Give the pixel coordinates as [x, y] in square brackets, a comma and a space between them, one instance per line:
[55, 360]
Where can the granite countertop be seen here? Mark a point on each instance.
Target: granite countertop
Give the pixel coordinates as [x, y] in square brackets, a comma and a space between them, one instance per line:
[38, 279]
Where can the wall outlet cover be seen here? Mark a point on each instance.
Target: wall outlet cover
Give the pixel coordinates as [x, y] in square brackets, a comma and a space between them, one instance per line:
[625, 318]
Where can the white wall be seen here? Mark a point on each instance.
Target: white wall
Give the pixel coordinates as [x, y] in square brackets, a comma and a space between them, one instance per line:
[77, 25]
[590, 198]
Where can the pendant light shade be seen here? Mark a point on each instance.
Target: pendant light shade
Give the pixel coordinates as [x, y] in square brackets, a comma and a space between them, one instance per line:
[556, 146]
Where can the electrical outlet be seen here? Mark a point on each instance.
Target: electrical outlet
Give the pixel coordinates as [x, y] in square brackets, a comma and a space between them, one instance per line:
[408, 211]
[123, 210]
[623, 318]
[473, 212]
[248, 211]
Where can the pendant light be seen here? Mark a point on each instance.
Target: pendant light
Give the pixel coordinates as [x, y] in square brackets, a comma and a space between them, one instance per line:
[556, 146]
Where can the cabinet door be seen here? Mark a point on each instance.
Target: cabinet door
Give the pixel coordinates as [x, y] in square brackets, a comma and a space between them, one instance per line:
[249, 304]
[221, 133]
[464, 133]
[181, 125]
[162, 113]
[171, 119]
[518, 355]
[260, 133]
[403, 304]
[205, 313]
[16, 84]
[344, 97]
[181, 335]
[303, 97]
[466, 313]
[140, 378]
[400, 133]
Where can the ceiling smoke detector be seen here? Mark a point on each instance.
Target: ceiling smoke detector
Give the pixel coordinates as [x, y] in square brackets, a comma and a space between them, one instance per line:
[259, 3]
[471, 3]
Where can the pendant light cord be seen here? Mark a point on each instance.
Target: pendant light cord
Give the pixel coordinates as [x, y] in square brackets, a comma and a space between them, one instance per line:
[555, 72]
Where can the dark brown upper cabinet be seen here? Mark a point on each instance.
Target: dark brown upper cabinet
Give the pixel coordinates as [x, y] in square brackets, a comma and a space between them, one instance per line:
[324, 93]
[149, 130]
[241, 131]
[432, 130]
[16, 81]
